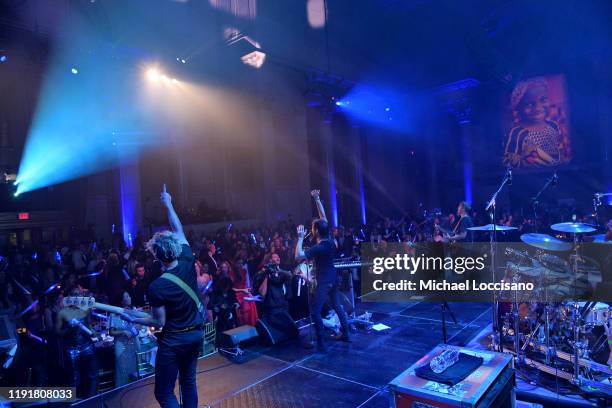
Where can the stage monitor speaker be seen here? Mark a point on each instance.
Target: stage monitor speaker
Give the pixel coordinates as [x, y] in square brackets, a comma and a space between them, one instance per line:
[276, 328]
[233, 337]
[8, 336]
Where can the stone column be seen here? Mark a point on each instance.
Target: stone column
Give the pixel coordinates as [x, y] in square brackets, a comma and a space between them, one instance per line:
[456, 98]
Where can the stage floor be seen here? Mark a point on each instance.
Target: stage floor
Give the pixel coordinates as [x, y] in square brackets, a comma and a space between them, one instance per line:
[351, 375]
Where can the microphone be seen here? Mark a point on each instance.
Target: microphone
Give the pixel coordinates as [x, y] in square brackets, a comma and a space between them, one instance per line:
[509, 176]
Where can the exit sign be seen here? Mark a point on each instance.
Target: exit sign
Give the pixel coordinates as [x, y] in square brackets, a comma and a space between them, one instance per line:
[24, 216]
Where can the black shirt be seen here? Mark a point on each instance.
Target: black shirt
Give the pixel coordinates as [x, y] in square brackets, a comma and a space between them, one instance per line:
[464, 223]
[278, 290]
[181, 310]
[323, 255]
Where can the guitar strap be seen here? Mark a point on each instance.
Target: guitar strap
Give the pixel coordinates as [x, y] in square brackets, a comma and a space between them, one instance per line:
[180, 283]
[457, 225]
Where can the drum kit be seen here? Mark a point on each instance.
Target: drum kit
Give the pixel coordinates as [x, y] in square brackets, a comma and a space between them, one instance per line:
[552, 329]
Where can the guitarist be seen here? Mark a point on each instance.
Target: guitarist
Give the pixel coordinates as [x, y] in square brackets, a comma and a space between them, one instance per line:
[176, 308]
[460, 230]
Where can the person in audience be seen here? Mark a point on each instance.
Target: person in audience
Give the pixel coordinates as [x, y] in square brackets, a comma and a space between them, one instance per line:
[223, 303]
[247, 312]
[73, 325]
[139, 285]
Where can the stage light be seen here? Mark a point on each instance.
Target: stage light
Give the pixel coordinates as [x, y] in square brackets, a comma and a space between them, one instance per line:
[16, 194]
[153, 74]
[249, 50]
[74, 71]
[338, 103]
[387, 109]
[254, 59]
[3, 58]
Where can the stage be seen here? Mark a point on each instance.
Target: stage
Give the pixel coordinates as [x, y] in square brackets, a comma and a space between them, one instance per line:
[351, 375]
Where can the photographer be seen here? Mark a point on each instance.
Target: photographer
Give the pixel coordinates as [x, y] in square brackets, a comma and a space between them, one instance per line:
[274, 286]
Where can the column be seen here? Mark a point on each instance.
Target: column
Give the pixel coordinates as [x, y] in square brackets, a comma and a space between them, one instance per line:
[456, 98]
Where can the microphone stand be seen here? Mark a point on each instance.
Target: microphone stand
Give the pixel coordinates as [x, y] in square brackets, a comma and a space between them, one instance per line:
[492, 244]
[534, 200]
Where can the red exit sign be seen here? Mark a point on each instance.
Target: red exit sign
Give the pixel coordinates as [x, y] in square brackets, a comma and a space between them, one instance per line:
[24, 216]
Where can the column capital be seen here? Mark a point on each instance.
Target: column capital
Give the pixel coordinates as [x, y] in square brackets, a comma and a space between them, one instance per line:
[456, 98]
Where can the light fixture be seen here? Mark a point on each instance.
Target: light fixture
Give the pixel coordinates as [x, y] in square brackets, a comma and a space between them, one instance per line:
[153, 74]
[249, 50]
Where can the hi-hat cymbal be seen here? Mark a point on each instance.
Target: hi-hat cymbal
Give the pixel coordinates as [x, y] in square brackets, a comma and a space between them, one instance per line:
[491, 227]
[573, 227]
[545, 242]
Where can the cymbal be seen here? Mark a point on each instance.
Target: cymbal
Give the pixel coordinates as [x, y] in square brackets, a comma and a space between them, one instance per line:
[489, 227]
[546, 242]
[573, 227]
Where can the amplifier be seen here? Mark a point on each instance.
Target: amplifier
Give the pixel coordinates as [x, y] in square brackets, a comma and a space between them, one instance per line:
[233, 337]
[490, 385]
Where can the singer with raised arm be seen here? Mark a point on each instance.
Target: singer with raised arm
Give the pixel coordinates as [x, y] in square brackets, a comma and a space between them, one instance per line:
[325, 274]
[177, 309]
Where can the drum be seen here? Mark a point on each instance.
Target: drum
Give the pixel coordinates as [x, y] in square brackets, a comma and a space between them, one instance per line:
[597, 316]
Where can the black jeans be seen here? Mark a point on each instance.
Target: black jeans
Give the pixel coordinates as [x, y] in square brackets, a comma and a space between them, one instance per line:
[327, 292]
[82, 366]
[173, 360]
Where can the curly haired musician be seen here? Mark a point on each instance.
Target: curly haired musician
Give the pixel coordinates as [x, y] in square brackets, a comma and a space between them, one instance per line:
[176, 308]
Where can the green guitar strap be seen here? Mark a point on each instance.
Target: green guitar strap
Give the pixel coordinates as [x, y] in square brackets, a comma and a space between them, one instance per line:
[179, 282]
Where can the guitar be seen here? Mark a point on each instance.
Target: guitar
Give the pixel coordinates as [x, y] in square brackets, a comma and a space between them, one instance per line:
[87, 303]
[447, 236]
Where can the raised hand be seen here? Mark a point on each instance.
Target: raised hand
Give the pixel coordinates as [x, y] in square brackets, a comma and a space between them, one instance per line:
[316, 194]
[165, 198]
[301, 231]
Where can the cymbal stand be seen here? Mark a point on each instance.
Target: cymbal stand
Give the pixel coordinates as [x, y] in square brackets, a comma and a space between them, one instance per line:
[496, 343]
[535, 202]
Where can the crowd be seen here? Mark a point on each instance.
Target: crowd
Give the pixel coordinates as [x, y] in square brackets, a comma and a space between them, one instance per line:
[242, 275]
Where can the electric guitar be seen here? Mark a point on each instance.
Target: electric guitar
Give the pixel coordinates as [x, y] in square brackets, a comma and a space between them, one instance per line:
[87, 303]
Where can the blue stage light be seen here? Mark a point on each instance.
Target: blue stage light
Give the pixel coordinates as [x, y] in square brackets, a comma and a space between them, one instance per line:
[373, 104]
[3, 58]
[338, 103]
[70, 134]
